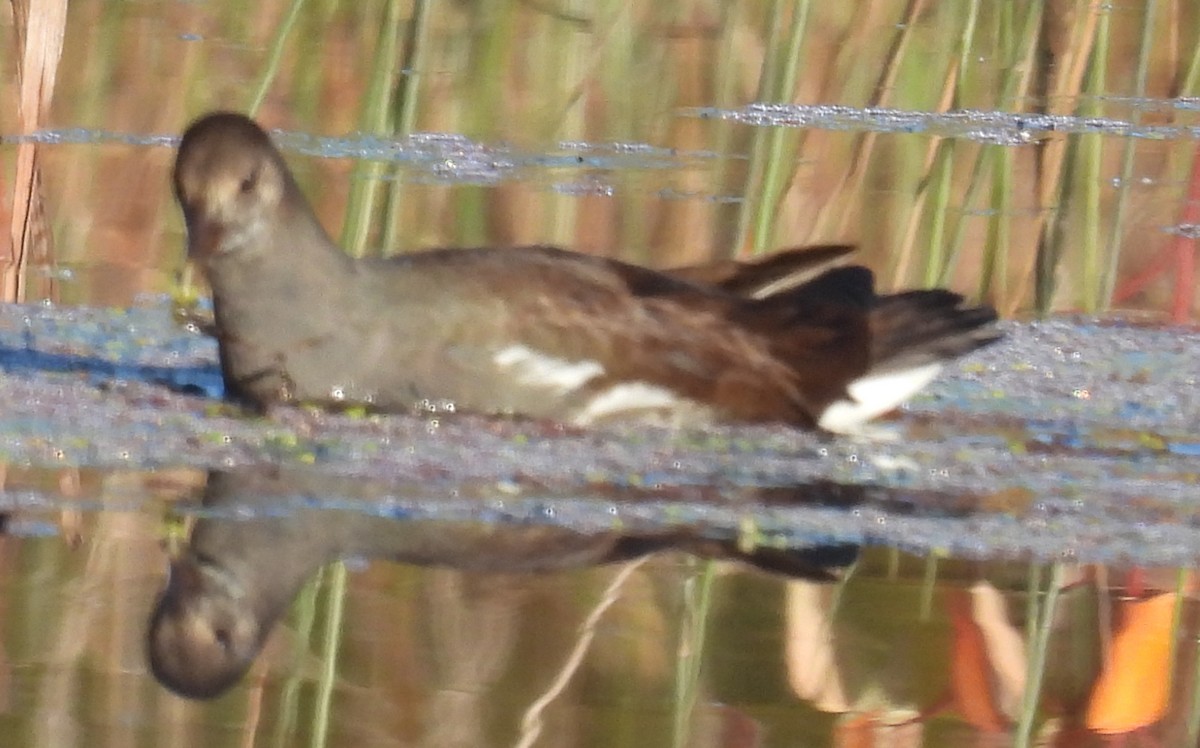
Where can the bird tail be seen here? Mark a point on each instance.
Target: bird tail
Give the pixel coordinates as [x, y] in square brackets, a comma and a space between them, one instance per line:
[855, 354]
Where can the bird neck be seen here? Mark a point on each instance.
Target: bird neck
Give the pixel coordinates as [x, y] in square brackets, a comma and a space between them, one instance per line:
[300, 237]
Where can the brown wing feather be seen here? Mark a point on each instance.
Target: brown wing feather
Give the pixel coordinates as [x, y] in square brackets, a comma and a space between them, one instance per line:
[638, 324]
[782, 358]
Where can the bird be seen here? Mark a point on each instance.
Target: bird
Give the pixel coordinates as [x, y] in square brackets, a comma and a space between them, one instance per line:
[538, 331]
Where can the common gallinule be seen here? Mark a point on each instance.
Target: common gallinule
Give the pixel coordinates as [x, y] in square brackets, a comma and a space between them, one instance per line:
[536, 331]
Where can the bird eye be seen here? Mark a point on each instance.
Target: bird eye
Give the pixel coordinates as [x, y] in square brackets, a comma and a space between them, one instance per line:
[248, 184]
[224, 638]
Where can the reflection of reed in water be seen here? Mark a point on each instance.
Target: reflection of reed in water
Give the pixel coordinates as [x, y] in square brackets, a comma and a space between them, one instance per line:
[477, 619]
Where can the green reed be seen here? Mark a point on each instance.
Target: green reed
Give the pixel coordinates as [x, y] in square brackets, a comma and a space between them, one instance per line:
[405, 115]
[566, 118]
[1041, 613]
[724, 94]
[770, 171]
[1108, 280]
[1091, 151]
[944, 243]
[331, 644]
[1061, 159]
[305, 612]
[997, 241]
[275, 56]
[375, 118]
[495, 31]
[698, 604]
[616, 60]
[991, 166]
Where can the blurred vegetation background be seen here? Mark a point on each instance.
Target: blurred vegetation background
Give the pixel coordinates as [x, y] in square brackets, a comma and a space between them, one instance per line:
[1052, 224]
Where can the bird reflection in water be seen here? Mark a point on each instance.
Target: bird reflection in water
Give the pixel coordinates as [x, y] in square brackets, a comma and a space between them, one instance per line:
[266, 530]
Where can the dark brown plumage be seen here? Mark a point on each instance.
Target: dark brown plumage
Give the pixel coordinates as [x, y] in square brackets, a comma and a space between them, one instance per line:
[539, 331]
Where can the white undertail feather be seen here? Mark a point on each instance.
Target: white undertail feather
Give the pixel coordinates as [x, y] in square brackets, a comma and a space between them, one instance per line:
[869, 396]
[626, 399]
[562, 377]
[539, 369]
[875, 394]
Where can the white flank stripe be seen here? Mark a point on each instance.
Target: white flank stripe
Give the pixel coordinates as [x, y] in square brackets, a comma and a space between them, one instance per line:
[873, 395]
[537, 369]
[626, 398]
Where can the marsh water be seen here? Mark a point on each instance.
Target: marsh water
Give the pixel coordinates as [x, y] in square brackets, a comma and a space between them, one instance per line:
[1004, 561]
